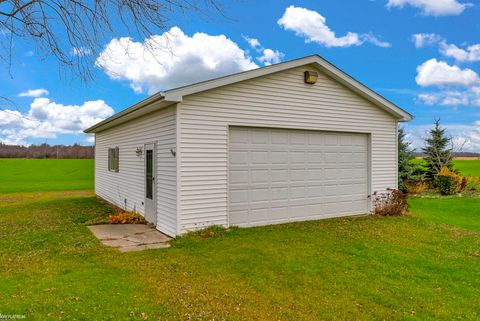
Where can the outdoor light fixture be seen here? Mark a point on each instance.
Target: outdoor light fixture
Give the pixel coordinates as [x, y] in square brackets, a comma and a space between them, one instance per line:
[311, 77]
[139, 151]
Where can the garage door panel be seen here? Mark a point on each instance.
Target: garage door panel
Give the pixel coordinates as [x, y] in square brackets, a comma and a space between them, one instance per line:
[278, 157]
[280, 175]
[239, 176]
[238, 157]
[279, 193]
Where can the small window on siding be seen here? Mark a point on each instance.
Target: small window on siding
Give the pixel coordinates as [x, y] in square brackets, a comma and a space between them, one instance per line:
[113, 159]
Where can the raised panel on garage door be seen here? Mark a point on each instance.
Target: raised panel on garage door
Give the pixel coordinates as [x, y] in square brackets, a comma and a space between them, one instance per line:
[281, 175]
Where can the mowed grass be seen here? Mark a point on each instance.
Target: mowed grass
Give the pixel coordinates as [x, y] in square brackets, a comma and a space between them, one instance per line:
[32, 175]
[424, 266]
[462, 212]
[468, 167]
[465, 167]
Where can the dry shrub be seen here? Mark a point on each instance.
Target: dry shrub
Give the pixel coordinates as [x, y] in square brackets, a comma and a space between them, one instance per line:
[472, 184]
[448, 182]
[212, 231]
[126, 218]
[393, 203]
[416, 187]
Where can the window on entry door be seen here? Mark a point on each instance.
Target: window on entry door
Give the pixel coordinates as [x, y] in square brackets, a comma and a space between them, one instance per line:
[149, 174]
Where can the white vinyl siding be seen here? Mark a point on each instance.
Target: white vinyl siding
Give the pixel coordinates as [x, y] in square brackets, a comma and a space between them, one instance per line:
[279, 100]
[129, 183]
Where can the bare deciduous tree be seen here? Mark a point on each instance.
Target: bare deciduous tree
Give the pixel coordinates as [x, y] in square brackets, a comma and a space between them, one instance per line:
[74, 31]
[46, 151]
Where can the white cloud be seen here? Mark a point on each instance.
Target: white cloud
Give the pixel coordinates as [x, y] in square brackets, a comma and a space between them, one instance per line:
[375, 41]
[81, 51]
[425, 39]
[34, 93]
[172, 59]
[428, 99]
[253, 42]
[455, 100]
[432, 7]
[469, 54]
[451, 97]
[267, 56]
[439, 73]
[312, 26]
[466, 137]
[47, 119]
[270, 56]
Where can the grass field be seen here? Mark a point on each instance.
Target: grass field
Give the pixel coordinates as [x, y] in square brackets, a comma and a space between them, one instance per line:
[466, 167]
[420, 267]
[32, 175]
[424, 266]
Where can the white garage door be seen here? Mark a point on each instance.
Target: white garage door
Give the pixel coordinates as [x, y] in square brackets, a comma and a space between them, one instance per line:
[280, 175]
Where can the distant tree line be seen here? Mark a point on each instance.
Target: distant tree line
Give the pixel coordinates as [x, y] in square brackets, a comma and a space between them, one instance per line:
[46, 151]
[454, 154]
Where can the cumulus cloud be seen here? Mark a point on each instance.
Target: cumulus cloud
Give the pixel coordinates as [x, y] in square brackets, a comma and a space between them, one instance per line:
[425, 39]
[253, 42]
[47, 119]
[312, 26]
[439, 73]
[456, 86]
[469, 54]
[428, 99]
[267, 56]
[270, 56]
[453, 98]
[432, 7]
[172, 59]
[466, 137]
[34, 93]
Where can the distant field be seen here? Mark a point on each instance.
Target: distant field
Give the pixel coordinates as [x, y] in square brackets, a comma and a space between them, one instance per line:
[35, 175]
[469, 167]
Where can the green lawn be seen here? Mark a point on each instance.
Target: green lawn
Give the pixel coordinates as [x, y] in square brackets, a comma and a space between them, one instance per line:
[468, 167]
[32, 175]
[457, 211]
[425, 266]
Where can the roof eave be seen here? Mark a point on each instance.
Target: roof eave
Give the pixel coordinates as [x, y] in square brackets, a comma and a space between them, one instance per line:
[116, 118]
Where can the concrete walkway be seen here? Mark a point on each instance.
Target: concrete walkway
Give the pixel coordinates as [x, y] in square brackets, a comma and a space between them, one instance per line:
[130, 237]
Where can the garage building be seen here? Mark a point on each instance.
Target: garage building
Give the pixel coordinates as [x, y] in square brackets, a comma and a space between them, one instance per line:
[299, 140]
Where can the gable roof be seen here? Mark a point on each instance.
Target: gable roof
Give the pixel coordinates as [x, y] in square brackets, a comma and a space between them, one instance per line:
[175, 95]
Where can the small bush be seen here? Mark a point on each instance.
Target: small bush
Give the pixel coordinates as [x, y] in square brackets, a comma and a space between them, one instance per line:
[472, 184]
[448, 182]
[126, 218]
[393, 203]
[415, 187]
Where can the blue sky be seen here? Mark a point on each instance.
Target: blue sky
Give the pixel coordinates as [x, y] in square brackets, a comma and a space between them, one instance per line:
[420, 54]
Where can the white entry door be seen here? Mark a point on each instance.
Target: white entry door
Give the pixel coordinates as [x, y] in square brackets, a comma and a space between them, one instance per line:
[282, 175]
[150, 184]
